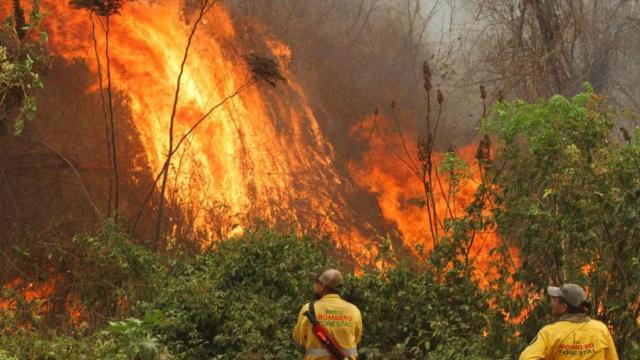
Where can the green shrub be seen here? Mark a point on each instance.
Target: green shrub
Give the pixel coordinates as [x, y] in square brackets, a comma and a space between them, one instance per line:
[241, 300]
[407, 313]
[109, 272]
[569, 200]
[237, 300]
[120, 340]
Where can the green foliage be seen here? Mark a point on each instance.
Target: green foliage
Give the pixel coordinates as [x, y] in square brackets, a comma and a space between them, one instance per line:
[133, 336]
[109, 274]
[120, 340]
[454, 170]
[131, 270]
[413, 314]
[5, 356]
[239, 300]
[569, 200]
[99, 7]
[21, 59]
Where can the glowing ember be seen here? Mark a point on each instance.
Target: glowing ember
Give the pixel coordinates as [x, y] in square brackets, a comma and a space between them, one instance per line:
[75, 309]
[37, 298]
[31, 293]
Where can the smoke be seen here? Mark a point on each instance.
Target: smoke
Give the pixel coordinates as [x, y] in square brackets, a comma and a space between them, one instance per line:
[351, 56]
[357, 56]
[354, 57]
[537, 49]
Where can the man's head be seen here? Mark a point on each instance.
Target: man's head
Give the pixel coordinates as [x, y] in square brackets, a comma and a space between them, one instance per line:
[567, 299]
[327, 282]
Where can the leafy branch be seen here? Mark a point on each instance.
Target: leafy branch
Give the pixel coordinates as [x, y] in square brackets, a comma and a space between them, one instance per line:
[21, 60]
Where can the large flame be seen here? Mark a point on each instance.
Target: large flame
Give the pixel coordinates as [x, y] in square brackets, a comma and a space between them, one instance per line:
[262, 153]
[386, 170]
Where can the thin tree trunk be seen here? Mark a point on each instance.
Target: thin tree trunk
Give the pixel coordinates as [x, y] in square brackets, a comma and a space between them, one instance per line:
[114, 157]
[104, 112]
[548, 23]
[75, 171]
[428, 166]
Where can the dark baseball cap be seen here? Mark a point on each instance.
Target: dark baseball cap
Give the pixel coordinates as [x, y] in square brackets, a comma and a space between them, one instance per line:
[571, 293]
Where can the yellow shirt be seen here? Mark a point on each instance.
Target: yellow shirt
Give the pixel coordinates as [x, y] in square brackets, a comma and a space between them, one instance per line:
[342, 319]
[573, 337]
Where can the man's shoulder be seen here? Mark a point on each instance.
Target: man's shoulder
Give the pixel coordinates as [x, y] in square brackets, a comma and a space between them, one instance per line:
[597, 324]
[549, 328]
[304, 308]
[339, 301]
[351, 307]
[561, 325]
[554, 327]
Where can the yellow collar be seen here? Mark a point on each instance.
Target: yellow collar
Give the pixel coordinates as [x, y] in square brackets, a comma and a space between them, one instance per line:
[574, 318]
[331, 296]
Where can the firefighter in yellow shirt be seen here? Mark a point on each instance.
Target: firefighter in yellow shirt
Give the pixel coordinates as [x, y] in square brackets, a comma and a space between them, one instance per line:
[341, 318]
[574, 336]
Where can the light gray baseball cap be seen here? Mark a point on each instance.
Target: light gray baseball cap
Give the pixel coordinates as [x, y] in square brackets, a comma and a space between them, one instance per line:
[571, 293]
[331, 278]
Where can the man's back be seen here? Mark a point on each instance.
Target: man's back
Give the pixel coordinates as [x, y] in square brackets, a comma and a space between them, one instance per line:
[341, 318]
[574, 337]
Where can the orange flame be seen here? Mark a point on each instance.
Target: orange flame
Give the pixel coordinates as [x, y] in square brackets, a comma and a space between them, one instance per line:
[37, 296]
[32, 294]
[387, 172]
[262, 153]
